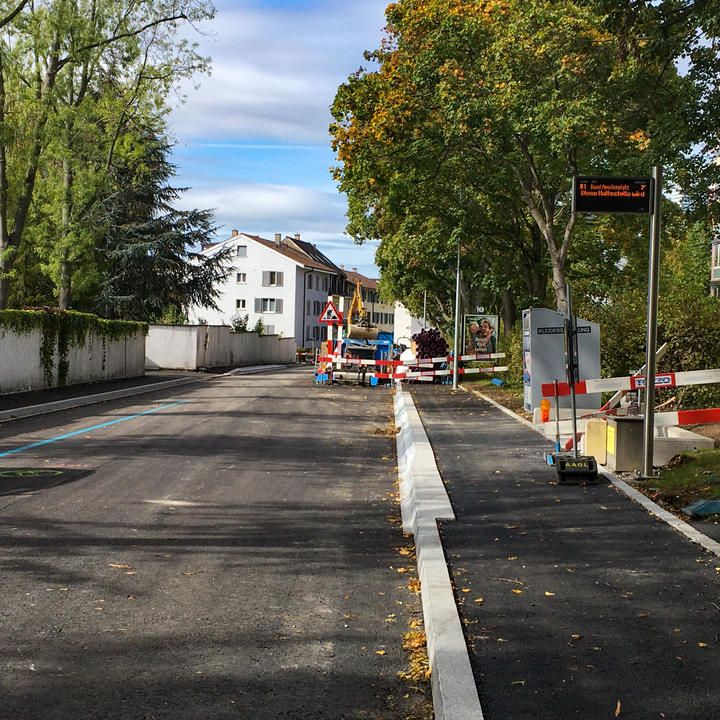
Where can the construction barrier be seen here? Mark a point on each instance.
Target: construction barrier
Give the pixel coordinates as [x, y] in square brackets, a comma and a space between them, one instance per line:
[422, 374]
[417, 363]
[665, 419]
[632, 382]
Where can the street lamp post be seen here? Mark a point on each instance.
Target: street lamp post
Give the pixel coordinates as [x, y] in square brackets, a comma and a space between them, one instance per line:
[457, 318]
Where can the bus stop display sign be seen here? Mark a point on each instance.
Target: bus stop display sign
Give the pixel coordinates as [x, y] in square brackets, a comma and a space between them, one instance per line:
[611, 195]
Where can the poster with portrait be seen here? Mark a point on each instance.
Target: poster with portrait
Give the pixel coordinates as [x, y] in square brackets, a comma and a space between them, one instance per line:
[480, 334]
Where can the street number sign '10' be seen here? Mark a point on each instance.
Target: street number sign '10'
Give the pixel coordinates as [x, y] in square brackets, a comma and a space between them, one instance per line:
[611, 195]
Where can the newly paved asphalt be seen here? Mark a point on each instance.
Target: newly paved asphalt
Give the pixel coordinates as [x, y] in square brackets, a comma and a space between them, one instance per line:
[229, 556]
[590, 607]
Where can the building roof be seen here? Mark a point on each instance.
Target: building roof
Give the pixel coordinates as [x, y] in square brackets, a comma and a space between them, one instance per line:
[354, 277]
[311, 251]
[299, 251]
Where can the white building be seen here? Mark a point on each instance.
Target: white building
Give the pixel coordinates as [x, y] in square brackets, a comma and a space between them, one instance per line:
[285, 283]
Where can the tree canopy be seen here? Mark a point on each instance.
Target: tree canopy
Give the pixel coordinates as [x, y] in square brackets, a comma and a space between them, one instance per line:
[83, 92]
[472, 117]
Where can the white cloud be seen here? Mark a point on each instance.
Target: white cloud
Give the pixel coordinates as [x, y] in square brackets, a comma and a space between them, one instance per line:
[264, 209]
[276, 71]
[248, 206]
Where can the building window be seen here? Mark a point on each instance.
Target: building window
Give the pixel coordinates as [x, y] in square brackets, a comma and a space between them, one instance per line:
[240, 304]
[240, 277]
[316, 333]
[241, 251]
[268, 305]
[270, 278]
[308, 311]
[309, 282]
[269, 329]
[326, 283]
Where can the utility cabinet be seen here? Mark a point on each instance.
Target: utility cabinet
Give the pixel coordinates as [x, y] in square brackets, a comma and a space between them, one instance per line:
[625, 443]
[544, 356]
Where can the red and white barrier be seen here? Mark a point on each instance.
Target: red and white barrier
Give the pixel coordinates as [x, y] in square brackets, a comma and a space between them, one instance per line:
[662, 380]
[430, 374]
[417, 363]
[665, 419]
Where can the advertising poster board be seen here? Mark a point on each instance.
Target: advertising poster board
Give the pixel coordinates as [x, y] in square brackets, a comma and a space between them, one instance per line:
[480, 333]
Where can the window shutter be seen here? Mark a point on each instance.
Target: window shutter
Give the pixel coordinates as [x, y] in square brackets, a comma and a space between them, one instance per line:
[279, 306]
[266, 278]
[309, 307]
[258, 305]
[279, 279]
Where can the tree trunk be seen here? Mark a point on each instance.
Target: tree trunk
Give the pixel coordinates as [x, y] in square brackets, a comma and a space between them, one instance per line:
[5, 249]
[508, 311]
[65, 277]
[559, 283]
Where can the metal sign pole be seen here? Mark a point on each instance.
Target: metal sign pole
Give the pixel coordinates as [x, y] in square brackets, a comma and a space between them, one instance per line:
[651, 344]
[457, 319]
[571, 340]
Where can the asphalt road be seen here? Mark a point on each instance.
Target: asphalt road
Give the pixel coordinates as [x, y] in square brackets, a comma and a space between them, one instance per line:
[223, 551]
[591, 608]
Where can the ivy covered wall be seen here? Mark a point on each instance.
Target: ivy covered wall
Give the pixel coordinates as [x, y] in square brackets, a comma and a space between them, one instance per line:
[60, 332]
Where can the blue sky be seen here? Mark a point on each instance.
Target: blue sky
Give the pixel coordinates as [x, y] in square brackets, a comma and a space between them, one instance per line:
[252, 141]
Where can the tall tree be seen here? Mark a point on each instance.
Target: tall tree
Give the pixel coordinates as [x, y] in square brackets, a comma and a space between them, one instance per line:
[512, 99]
[149, 264]
[53, 55]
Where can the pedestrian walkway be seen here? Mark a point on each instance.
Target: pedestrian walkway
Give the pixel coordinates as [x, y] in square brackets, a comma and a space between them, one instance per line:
[576, 602]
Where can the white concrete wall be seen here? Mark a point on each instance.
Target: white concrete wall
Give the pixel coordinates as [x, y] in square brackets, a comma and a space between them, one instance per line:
[189, 347]
[95, 360]
[174, 347]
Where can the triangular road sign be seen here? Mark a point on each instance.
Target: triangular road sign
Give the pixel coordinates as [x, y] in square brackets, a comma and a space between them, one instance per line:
[330, 315]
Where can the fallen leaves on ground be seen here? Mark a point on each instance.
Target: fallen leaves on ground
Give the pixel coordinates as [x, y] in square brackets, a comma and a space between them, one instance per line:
[413, 585]
[618, 709]
[415, 643]
[118, 566]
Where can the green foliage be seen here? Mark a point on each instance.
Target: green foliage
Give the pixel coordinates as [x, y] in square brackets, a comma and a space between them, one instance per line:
[172, 315]
[512, 346]
[62, 330]
[259, 327]
[691, 327]
[239, 322]
[693, 476]
[148, 261]
[77, 78]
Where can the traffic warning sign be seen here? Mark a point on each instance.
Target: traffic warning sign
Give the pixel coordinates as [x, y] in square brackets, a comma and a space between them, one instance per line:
[330, 315]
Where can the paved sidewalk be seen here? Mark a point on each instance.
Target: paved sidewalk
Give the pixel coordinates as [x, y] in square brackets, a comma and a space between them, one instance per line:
[591, 608]
[12, 401]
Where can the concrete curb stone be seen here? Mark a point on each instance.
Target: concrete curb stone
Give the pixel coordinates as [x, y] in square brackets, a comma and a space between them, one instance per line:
[424, 501]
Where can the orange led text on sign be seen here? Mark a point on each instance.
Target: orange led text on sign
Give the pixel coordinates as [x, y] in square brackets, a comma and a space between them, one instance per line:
[611, 190]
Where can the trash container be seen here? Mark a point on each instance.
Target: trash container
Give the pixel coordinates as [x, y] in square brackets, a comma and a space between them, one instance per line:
[625, 443]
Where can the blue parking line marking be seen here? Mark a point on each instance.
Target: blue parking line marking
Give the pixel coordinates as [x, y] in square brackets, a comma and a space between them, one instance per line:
[65, 436]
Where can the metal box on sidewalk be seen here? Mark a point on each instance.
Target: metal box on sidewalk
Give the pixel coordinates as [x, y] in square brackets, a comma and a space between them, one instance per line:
[625, 443]
[596, 439]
